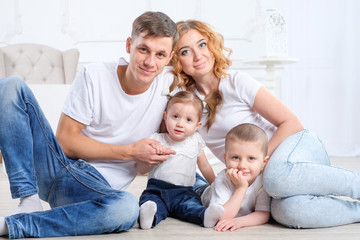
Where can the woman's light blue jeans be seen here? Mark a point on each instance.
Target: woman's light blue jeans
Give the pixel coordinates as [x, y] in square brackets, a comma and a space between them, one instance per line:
[82, 202]
[300, 179]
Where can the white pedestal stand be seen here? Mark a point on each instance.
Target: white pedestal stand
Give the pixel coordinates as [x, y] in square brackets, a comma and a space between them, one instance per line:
[270, 63]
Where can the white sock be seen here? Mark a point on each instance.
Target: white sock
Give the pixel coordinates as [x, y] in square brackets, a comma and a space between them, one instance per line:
[147, 213]
[3, 227]
[29, 204]
[212, 215]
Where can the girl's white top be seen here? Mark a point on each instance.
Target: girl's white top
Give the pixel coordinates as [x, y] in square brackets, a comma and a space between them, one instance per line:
[179, 169]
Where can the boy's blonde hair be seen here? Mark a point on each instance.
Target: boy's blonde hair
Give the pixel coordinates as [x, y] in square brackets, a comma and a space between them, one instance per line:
[249, 133]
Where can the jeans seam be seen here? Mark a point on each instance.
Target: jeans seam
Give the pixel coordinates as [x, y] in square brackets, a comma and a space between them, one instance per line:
[44, 133]
[56, 154]
[294, 147]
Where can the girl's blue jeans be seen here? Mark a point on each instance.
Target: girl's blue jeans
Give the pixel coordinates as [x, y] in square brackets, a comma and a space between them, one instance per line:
[174, 201]
[82, 202]
[301, 181]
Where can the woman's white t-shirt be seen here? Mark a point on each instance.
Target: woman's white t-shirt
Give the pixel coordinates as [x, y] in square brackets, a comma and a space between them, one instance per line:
[114, 117]
[238, 91]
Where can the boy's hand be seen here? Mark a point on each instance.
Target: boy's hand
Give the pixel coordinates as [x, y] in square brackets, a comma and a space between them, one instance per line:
[237, 178]
[227, 224]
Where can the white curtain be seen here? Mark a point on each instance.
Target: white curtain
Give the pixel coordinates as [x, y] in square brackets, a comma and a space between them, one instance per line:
[323, 88]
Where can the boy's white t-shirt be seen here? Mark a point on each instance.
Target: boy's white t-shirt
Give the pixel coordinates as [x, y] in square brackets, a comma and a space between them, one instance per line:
[179, 169]
[221, 190]
[114, 117]
[238, 92]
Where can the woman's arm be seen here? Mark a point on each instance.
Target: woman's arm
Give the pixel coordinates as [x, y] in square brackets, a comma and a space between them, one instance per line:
[252, 219]
[205, 168]
[277, 113]
[77, 145]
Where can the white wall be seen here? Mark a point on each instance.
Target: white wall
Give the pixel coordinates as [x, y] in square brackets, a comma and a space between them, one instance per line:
[99, 30]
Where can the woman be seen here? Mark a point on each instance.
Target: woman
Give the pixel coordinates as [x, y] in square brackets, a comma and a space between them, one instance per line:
[298, 176]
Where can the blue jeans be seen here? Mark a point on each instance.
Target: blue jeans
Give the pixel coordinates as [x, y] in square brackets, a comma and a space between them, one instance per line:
[300, 179]
[174, 201]
[82, 202]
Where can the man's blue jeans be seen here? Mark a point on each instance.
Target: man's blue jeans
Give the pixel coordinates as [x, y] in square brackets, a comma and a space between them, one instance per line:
[174, 201]
[82, 202]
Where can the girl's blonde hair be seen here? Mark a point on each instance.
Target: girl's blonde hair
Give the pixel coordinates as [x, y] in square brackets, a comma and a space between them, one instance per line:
[215, 44]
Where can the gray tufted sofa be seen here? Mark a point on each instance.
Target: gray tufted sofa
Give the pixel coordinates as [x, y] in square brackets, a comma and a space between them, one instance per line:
[37, 63]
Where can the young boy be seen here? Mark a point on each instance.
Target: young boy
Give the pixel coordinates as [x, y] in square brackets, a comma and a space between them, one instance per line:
[239, 187]
[169, 189]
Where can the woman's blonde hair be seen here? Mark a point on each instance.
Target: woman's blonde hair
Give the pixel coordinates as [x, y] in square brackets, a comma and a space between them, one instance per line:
[215, 44]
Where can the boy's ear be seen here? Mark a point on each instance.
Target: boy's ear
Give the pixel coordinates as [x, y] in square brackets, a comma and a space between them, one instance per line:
[224, 156]
[266, 159]
[165, 114]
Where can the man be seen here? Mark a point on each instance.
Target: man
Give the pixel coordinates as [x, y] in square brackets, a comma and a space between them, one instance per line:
[106, 118]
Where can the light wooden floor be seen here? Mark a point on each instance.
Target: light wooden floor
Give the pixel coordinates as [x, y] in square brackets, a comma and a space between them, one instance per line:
[175, 229]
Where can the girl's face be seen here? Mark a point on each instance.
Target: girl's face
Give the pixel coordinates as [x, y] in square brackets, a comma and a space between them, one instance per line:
[181, 121]
[194, 55]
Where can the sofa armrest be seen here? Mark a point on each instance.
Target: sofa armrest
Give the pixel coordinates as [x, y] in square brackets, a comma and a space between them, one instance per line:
[70, 61]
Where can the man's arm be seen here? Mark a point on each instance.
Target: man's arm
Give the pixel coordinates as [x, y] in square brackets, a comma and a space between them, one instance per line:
[76, 145]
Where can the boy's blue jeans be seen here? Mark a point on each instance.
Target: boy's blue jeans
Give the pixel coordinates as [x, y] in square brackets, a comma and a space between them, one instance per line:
[82, 202]
[174, 201]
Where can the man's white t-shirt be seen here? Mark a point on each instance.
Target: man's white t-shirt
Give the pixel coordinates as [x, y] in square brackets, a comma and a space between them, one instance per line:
[114, 117]
[221, 190]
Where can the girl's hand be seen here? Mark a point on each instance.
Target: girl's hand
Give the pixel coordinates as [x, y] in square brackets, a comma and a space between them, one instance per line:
[160, 149]
[145, 150]
[237, 178]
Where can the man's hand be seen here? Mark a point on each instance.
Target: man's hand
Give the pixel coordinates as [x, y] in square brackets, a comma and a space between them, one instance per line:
[150, 152]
